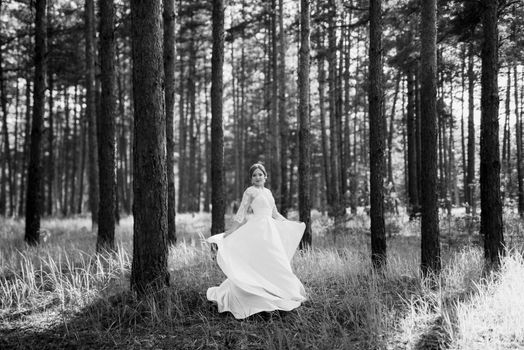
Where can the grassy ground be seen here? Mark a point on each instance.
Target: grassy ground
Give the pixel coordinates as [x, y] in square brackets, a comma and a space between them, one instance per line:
[62, 295]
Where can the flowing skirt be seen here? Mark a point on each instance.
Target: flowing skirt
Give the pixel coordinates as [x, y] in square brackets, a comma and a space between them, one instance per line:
[256, 258]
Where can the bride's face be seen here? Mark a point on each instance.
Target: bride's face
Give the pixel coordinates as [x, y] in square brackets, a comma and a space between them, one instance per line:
[258, 178]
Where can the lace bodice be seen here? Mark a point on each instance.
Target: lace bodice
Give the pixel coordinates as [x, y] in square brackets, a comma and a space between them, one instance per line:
[261, 202]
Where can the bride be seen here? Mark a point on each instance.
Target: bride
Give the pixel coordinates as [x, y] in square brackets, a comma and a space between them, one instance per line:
[256, 256]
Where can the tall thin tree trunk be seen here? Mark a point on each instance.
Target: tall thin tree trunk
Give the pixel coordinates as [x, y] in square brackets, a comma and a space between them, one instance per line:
[304, 165]
[107, 129]
[84, 130]
[505, 137]
[217, 132]
[333, 125]
[470, 178]
[50, 163]
[322, 116]
[282, 113]
[27, 140]
[413, 191]
[462, 127]
[491, 226]
[518, 119]
[34, 172]
[376, 136]
[274, 146]
[182, 142]
[169, 69]
[391, 129]
[74, 152]
[91, 111]
[149, 267]
[66, 159]
[207, 141]
[430, 246]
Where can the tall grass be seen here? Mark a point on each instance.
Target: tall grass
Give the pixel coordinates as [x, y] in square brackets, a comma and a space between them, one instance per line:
[349, 306]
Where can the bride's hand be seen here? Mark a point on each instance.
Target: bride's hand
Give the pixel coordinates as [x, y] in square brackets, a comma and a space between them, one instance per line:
[226, 233]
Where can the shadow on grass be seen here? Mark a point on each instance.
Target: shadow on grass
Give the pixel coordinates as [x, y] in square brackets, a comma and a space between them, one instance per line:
[182, 319]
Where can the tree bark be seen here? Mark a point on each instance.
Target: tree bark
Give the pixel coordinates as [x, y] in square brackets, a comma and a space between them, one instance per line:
[322, 116]
[391, 129]
[304, 178]
[462, 127]
[430, 246]
[491, 226]
[334, 209]
[27, 141]
[470, 177]
[274, 145]
[149, 267]
[282, 114]
[169, 69]
[34, 172]
[74, 152]
[518, 122]
[91, 111]
[376, 137]
[217, 132]
[412, 150]
[106, 127]
[182, 142]
[50, 163]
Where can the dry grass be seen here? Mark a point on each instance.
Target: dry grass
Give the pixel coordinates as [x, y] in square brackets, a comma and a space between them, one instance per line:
[61, 294]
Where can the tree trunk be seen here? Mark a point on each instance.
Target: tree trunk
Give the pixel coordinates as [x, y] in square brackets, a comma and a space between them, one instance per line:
[430, 246]
[282, 117]
[274, 146]
[304, 165]
[506, 139]
[191, 96]
[84, 130]
[169, 69]
[182, 142]
[149, 267]
[491, 226]
[217, 132]
[518, 119]
[50, 163]
[27, 140]
[74, 152]
[462, 128]
[391, 129]
[322, 116]
[106, 127]
[34, 172]
[412, 150]
[470, 178]
[334, 209]
[66, 158]
[91, 111]
[207, 141]
[376, 137]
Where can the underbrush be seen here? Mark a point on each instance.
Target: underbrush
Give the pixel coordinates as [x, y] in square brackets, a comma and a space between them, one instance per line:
[62, 293]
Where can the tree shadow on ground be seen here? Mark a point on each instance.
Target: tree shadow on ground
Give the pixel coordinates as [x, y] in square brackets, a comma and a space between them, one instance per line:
[123, 322]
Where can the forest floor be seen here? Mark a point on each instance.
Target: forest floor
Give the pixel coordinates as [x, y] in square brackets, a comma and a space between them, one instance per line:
[61, 295]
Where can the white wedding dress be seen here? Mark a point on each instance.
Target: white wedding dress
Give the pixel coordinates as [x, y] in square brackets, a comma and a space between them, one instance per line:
[256, 258]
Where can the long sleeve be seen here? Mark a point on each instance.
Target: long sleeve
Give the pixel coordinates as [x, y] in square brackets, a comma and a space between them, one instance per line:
[247, 198]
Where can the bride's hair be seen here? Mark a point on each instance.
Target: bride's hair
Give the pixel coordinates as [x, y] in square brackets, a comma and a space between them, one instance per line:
[255, 167]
